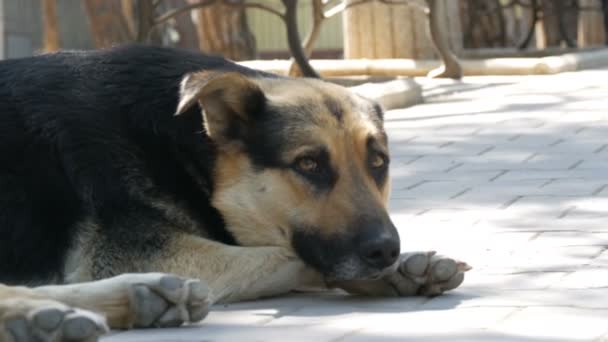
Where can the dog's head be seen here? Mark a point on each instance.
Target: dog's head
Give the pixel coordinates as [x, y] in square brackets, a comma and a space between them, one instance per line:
[301, 164]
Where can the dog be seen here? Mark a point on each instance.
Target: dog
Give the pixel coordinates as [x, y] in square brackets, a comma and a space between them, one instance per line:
[139, 185]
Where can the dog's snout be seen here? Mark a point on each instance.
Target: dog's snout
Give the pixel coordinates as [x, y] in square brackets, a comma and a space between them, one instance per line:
[380, 251]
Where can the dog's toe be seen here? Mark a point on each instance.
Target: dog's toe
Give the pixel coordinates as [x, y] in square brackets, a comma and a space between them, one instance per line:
[83, 326]
[168, 301]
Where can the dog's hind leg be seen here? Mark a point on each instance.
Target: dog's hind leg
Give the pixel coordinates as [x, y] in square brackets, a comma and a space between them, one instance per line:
[26, 315]
[137, 299]
[78, 312]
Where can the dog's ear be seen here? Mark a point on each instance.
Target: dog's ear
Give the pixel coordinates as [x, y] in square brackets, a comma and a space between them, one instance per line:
[230, 101]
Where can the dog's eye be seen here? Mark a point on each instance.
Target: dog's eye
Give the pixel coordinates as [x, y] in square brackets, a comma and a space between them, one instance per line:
[307, 165]
[377, 161]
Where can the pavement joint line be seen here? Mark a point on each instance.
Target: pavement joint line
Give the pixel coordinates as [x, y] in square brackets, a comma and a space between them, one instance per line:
[600, 149]
[529, 272]
[539, 125]
[566, 212]
[453, 167]
[556, 231]
[559, 279]
[599, 190]
[530, 157]
[535, 236]
[510, 314]
[413, 160]
[549, 181]
[553, 196]
[446, 144]
[575, 165]
[422, 212]
[458, 194]
[514, 137]
[410, 139]
[348, 334]
[500, 174]
[556, 142]
[477, 130]
[486, 150]
[510, 202]
[602, 251]
[417, 184]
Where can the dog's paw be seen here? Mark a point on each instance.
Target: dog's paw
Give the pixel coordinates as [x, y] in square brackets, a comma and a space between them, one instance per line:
[432, 274]
[45, 321]
[164, 300]
[416, 273]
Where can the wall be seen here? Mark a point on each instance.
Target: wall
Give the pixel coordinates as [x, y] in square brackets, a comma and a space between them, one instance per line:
[21, 27]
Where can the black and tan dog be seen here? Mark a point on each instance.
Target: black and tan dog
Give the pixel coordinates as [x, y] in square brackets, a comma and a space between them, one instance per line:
[137, 159]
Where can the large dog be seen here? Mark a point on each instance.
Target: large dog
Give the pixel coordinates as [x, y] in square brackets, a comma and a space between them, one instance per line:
[243, 184]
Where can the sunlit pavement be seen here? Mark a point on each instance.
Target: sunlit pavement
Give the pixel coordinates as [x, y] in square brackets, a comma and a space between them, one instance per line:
[510, 175]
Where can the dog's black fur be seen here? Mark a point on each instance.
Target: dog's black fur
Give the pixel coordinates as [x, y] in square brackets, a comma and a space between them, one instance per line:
[72, 125]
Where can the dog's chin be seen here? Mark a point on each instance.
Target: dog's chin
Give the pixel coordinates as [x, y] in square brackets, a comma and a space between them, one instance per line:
[353, 269]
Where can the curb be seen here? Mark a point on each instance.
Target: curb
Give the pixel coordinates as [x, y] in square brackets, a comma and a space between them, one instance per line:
[485, 67]
[399, 93]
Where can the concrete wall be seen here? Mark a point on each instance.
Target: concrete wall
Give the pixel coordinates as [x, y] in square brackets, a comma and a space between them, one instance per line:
[21, 27]
[270, 32]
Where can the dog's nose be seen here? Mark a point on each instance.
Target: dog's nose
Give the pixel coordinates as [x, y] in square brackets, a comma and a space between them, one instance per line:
[380, 251]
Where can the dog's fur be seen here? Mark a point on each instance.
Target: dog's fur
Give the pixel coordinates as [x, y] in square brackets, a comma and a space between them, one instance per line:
[141, 159]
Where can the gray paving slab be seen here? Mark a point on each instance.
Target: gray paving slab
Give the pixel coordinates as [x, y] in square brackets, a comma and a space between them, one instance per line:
[509, 174]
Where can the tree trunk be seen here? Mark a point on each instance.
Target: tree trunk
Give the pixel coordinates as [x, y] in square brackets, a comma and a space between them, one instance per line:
[51, 29]
[483, 24]
[378, 30]
[224, 30]
[183, 25]
[107, 22]
[559, 24]
[591, 24]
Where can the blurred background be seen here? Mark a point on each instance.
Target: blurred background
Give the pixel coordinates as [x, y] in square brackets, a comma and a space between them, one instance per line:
[334, 29]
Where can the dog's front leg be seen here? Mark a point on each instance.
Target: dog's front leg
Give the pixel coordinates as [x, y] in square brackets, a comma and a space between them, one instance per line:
[236, 273]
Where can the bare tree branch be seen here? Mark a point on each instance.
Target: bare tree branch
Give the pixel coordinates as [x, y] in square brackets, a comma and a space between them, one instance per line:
[293, 39]
[339, 8]
[311, 38]
[175, 12]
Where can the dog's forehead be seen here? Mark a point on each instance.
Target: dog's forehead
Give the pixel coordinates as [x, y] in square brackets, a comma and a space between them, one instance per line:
[322, 104]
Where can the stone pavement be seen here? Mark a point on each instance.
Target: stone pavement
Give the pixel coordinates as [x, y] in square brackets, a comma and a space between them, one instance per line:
[509, 174]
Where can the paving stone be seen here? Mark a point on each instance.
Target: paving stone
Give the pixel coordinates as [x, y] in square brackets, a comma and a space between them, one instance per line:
[589, 298]
[429, 324]
[587, 278]
[508, 175]
[556, 324]
[519, 281]
[523, 174]
[554, 239]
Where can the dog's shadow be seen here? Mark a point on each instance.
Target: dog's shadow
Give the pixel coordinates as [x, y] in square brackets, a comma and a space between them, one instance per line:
[336, 303]
[228, 322]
